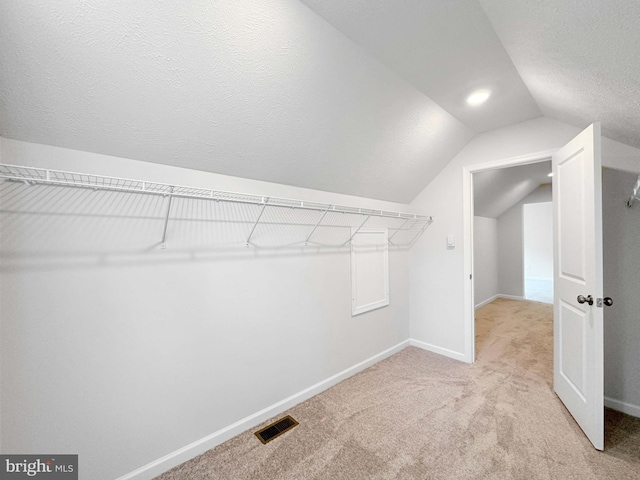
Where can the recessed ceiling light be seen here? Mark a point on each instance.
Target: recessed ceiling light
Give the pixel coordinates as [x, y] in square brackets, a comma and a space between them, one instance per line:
[478, 97]
[550, 175]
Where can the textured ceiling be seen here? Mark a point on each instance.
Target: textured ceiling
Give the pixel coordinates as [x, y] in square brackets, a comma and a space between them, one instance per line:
[363, 97]
[446, 49]
[496, 191]
[264, 90]
[580, 59]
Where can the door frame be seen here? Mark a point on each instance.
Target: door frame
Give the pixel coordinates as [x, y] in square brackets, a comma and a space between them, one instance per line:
[467, 234]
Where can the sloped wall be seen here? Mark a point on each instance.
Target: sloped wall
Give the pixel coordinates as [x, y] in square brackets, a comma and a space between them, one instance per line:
[257, 89]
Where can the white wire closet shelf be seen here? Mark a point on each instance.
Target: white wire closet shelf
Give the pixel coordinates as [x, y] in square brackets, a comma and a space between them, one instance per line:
[255, 218]
[635, 194]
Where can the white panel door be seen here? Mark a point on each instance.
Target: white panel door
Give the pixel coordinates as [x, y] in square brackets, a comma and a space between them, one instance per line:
[578, 330]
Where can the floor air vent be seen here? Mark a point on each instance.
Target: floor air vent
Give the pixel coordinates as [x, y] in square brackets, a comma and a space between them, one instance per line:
[276, 429]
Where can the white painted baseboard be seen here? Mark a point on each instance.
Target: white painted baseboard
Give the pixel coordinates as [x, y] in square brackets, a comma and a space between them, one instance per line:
[489, 300]
[486, 302]
[510, 297]
[624, 407]
[155, 468]
[439, 350]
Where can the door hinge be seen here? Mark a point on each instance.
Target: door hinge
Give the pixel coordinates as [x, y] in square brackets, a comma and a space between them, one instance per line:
[470, 276]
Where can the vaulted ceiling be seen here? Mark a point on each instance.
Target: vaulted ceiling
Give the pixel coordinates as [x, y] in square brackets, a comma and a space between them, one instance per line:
[364, 97]
[446, 49]
[496, 191]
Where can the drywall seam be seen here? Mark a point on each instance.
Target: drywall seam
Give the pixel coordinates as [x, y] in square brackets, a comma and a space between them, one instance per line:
[438, 350]
[624, 407]
[155, 468]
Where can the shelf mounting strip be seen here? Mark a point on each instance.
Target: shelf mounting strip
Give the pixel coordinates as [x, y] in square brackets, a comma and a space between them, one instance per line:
[41, 176]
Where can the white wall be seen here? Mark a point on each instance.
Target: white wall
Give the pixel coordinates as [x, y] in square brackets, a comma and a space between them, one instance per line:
[122, 352]
[485, 258]
[438, 280]
[511, 243]
[621, 282]
[537, 224]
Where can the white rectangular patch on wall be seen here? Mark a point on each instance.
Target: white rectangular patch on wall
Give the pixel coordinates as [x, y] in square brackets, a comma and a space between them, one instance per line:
[369, 270]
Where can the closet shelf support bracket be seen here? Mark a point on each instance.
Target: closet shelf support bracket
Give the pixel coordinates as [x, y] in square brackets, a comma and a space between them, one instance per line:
[265, 201]
[306, 242]
[426, 225]
[400, 228]
[357, 230]
[163, 245]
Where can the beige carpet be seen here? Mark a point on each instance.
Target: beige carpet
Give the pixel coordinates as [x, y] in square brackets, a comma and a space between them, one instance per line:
[417, 415]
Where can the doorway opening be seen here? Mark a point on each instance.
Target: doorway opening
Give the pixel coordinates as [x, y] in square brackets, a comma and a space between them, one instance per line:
[513, 234]
[537, 237]
[470, 303]
[620, 278]
[512, 249]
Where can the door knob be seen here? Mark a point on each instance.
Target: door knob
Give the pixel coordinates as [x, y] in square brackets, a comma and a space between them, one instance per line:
[608, 301]
[588, 299]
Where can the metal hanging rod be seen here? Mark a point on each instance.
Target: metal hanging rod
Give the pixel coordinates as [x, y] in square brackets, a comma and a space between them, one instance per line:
[41, 176]
[635, 194]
